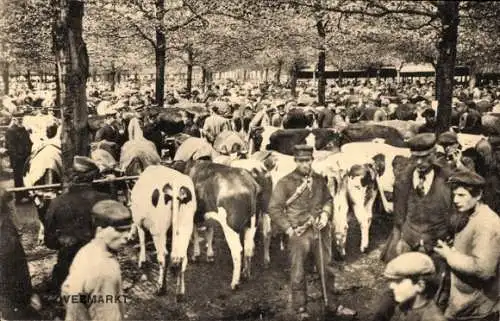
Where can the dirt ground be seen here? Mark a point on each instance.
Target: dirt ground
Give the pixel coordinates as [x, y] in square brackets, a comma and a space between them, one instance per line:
[208, 293]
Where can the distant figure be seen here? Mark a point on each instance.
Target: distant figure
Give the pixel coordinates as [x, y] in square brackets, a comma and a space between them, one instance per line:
[18, 144]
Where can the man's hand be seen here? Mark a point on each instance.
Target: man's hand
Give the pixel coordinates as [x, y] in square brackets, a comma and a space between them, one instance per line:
[321, 221]
[443, 249]
[290, 232]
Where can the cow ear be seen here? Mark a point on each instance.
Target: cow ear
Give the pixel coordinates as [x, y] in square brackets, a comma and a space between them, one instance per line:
[185, 195]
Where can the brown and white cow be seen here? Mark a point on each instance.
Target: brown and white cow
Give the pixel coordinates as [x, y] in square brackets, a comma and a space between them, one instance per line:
[228, 196]
[164, 198]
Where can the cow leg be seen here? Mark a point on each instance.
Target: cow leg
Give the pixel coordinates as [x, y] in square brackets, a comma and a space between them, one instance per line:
[160, 241]
[249, 246]
[133, 230]
[233, 240]
[209, 235]
[365, 221]
[180, 290]
[196, 245]
[142, 245]
[41, 234]
[266, 235]
[340, 223]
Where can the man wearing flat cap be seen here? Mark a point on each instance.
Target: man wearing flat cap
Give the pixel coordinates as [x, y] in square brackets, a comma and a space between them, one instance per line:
[413, 281]
[453, 151]
[422, 207]
[301, 206]
[475, 256]
[68, 223]
[95, 275]
[109, 131]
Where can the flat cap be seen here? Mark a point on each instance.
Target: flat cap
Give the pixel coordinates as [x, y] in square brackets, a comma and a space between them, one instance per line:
[464, 177]
[303, 151]
[447, 139]
[422, 144]
[111, 213]
[82, 164]
[429, 112]
[409, 264]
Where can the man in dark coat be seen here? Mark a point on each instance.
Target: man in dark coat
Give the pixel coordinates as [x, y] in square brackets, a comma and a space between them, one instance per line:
[108, 132]
[68, 223]
[16, 292]
[18, 144]
[422, 207]
[301, 205]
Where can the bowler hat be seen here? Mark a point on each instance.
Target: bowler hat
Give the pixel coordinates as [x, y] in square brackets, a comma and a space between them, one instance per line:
[82, 164]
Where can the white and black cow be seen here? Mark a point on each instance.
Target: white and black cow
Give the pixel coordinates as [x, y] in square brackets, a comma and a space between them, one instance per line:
[164, 198]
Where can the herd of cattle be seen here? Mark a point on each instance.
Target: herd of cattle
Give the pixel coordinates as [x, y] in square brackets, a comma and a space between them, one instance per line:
[228, 175]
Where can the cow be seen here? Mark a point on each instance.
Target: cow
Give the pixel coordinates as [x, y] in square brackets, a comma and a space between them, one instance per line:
[366, 132]
[164, 198]
[283, 140]
[228, 196]
[43, 167]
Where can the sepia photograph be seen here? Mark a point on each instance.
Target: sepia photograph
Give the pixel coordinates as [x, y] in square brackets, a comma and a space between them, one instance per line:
[249, 160]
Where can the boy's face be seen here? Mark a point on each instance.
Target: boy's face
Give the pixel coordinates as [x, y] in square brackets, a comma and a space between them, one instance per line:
[115, 239]
[404, 290]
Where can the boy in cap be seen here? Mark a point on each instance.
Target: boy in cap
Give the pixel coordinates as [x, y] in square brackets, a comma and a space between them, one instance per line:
[93, 288]
[300, 204]
[414, 283]
[68, 224]
[475, 256]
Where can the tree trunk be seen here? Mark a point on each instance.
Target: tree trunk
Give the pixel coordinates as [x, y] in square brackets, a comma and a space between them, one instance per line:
[160, 53]
[5, 78]
[447, 47]
[293, 79]
[112, 77]
[73, 64]
[58, 82]
[320, 26]
[28, 80]
[189, 75]
[277, 75]
[266, 74]
[204, 76]
[472, 75]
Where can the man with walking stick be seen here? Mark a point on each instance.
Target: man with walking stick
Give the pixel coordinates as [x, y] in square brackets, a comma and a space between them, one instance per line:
[301, 206]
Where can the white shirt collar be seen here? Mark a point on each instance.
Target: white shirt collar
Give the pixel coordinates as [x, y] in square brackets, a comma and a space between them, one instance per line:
[429, 177]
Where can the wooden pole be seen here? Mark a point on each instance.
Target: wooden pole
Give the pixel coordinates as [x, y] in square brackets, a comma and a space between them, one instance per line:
[51, 186]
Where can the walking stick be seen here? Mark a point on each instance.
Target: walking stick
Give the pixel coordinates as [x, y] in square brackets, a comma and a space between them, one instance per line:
[322, 267]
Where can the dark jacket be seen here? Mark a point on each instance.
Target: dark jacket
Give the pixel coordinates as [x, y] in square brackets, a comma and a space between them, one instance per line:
[15, 280]
[68, 220]
[18, 142]
[310, 203]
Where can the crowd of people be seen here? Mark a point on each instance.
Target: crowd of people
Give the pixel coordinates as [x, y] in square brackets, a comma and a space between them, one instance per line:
[442, 257]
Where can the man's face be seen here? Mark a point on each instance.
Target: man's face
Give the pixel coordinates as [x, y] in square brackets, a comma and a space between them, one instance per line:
[463, 200]
[304, 165]
[404, 290]
[423, 162]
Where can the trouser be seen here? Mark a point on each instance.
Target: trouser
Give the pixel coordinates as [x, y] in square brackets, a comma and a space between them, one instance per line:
[65, 257]
[17, 166]
[300, 248]
[387, 304]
